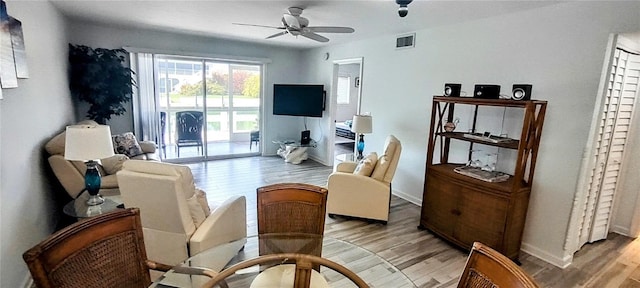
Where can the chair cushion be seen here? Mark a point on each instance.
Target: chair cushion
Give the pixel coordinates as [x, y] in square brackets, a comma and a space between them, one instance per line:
[114, 163]
[198, 207]
[283, 276]
[127, 144]
[366, 165]
[55, 146]
[384, 162]
[196, 211]
[202, 200]
[381, 168]
[195, 203]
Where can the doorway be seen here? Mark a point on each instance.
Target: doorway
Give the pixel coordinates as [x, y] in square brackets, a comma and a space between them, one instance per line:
[610, 155]
[347, 86]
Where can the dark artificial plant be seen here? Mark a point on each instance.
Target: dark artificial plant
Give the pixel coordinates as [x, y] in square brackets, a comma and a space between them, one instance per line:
[98, 77]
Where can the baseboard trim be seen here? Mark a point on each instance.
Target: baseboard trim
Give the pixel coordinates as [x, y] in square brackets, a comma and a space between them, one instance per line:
[546, 256]
[315, 158]
[621, 230]
[407, 197]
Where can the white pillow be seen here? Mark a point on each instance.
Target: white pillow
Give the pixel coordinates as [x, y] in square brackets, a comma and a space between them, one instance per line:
[366, 165]
[202, 199]
[196, 211]
[381, 168]
[198, 207]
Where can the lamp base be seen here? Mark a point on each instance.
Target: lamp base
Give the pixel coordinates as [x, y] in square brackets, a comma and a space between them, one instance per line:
[95, 200]
[92, 184]
[360, 147]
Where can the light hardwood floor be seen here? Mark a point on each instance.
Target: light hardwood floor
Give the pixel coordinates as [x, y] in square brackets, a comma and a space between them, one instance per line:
[427, 260]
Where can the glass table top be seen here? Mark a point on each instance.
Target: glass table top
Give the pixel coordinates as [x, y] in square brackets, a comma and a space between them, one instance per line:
[373, 269]
[295, 143]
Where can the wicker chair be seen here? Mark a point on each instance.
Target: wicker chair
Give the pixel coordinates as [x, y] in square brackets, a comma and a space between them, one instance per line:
[103, 251]
[487, 268]
[290, 208]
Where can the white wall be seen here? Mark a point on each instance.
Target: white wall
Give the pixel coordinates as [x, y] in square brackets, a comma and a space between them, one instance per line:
[30, 115]
[283, 68]
[559, 49]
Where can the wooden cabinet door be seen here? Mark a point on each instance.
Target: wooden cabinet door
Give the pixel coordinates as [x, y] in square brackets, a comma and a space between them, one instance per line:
[482, 218]
[439, 206]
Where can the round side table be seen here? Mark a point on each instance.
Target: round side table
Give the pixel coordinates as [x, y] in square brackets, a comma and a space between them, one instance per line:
[78, 207]
[348, 157]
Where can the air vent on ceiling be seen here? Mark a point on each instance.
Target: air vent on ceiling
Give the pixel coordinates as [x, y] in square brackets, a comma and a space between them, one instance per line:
[406, 41]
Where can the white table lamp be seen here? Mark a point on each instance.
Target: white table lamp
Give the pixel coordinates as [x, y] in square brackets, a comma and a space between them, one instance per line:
[88, 143]
[361, 124]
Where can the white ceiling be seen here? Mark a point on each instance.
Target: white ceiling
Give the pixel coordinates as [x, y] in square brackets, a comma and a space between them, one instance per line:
[215, 17]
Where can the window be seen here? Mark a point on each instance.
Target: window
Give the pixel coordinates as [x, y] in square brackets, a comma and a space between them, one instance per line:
[162, 86]
[344, 89]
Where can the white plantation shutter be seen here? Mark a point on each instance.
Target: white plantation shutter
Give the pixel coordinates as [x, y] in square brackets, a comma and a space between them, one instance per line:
[612, 135]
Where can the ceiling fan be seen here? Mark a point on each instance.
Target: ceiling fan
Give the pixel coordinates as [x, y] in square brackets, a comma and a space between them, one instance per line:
[297, 25]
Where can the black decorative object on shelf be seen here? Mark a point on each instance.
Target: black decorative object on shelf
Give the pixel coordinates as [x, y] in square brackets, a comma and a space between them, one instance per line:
[452, 90]
[486, 91]
[521, 91]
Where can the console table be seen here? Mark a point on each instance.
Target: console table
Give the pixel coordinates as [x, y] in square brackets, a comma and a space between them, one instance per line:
[293, 151]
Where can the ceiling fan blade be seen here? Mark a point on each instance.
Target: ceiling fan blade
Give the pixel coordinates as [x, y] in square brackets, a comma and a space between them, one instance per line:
[255, 25]
[329, 29]
[277, 34]
[291, 20]
[314, 36]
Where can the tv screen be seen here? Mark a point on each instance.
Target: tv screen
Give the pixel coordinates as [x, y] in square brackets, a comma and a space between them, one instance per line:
[298, 100]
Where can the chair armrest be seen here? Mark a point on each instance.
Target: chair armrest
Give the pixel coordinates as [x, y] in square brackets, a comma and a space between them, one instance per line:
[358, 196]
[70, 178]
[184, 270]
[368, 185]
[346, 167]
[147, 146]
[225, 224]
[180, 269]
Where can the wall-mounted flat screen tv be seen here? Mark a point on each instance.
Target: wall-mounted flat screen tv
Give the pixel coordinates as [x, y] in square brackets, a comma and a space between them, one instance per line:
[298, 100]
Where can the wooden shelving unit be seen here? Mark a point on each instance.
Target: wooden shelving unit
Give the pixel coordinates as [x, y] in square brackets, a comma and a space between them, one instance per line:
[462, 209]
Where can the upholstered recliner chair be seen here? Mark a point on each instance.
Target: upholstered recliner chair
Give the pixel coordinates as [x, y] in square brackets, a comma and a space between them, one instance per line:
[363, 189]
[71, 173]
[176, 219]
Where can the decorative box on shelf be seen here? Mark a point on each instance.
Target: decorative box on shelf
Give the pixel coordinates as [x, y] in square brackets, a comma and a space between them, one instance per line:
[478, 173]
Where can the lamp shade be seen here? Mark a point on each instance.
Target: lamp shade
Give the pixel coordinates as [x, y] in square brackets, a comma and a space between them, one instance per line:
[362, 124]
[88, 142]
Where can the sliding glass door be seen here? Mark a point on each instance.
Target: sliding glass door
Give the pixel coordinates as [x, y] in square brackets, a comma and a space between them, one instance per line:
[208, 109]
[233, 105]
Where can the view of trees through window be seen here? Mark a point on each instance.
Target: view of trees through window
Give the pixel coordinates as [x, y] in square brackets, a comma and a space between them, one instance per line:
[244, 84]
[228, 93]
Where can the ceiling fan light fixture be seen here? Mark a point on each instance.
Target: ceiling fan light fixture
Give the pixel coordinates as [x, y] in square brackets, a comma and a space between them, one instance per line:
[296, 25]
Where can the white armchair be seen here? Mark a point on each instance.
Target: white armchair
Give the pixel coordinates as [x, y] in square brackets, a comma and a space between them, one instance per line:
[176, 220]
[364, 196]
